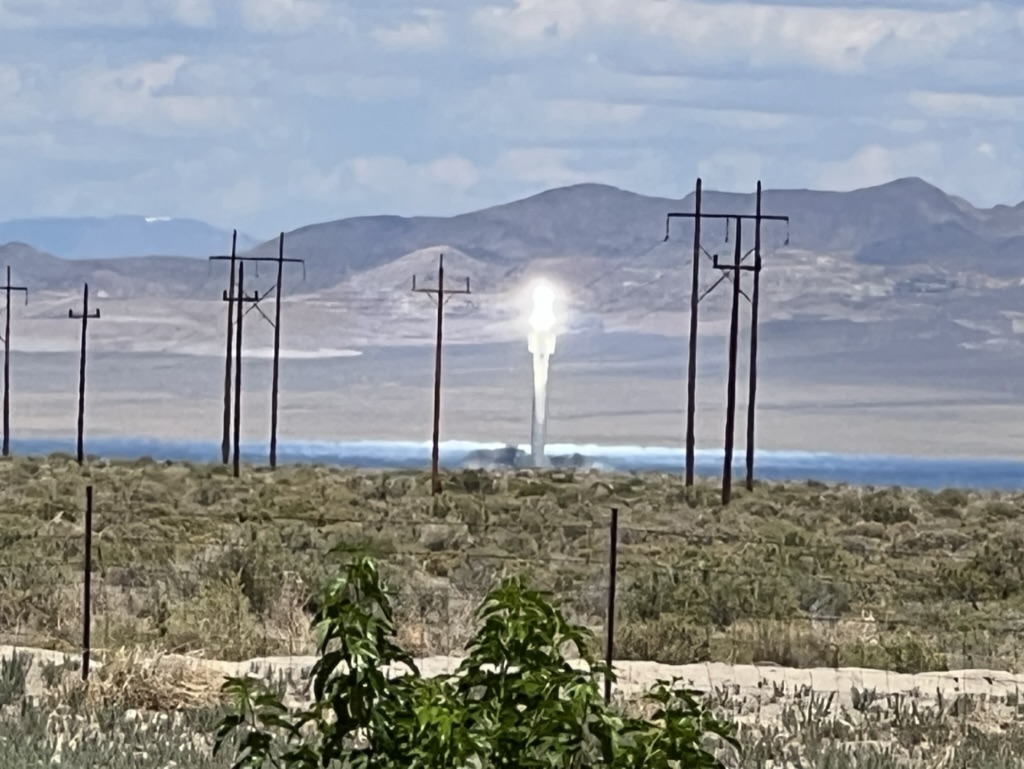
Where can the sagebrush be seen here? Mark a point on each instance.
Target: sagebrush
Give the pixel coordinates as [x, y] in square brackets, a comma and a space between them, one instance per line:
[188, 558]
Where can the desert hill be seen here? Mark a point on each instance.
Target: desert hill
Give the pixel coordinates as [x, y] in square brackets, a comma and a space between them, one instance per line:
[895, 283]
[903, 238]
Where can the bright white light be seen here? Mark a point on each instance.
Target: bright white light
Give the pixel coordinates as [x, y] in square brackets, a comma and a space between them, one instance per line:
[542, 319]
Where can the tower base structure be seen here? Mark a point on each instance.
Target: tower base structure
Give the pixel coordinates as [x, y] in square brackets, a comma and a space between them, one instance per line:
[541, 346]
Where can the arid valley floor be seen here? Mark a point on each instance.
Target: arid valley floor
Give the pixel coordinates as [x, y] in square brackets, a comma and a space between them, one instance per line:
[834, 623]
[610, 389]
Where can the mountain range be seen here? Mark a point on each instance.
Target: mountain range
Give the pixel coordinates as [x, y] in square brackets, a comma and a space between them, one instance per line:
[902, 250]
[901, 223]
[899, 301]
[115, 237]
[907, 221]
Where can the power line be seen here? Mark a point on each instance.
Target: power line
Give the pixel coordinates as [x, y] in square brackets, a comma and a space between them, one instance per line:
[441, 296]
[8, 288]
[735, 268]
[225, 445]
[237, 302]
[85, 317]
[730, 394]
[277, 291]
[754, 321]
[277, 345]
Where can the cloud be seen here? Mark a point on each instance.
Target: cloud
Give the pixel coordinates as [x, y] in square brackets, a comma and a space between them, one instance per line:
[141, 96]
[392, 175]
[733, 169]
[194, 13]
[265, 16]
[28, 14]
[272, 114]
[284, 16]
[986, 170]
[836, 38]
[23, 14]
[366, 88]
[969, 106]
[874, 164]
[427, 32]
[585, 112]
[543, 166]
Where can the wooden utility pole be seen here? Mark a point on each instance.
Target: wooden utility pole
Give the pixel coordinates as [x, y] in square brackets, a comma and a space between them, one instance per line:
[730, 387]
[695, 298]
[8, 289]
[440, 295]
[275, 378]
[236, 301]
[691, 365]
[755, 296]
[231, 339]
[87, 587]
[237, 456]
[275, 384]
[85, 317]
[225, 443]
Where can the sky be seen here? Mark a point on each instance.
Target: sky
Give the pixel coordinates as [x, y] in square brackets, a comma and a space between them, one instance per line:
[266, 115]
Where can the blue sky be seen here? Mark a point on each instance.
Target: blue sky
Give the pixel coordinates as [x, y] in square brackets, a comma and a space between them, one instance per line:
[270, 114]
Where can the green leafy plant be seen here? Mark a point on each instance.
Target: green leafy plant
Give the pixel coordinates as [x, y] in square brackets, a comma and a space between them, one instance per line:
[516, 700]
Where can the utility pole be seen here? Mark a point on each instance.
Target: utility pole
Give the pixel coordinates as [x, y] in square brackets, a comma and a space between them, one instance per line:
[691, 364]
[737, 268]
[225, 443]
[755, 296]
[85, 317]
[276, 324]
[274, 387]
[739, 257]
[237, 457]
[441, 296]
[8, 288]
[236, 302]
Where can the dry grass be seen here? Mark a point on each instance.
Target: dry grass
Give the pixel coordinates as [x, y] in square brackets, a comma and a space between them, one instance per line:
[190, 560]
[150, 711]
[139, 679]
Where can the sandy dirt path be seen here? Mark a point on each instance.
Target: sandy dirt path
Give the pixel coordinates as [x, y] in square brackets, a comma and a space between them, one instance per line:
[754, 682]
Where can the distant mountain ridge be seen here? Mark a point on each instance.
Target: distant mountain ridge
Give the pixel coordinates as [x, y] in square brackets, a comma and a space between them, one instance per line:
[907, 221]
[578, 232]
[899, 282]
[117, 237]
